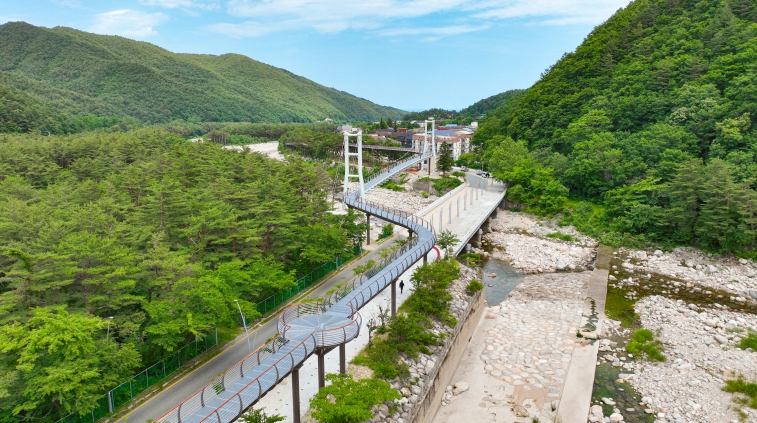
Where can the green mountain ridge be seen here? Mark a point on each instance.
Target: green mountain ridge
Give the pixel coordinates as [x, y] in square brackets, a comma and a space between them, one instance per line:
[652, 119]
[76, 73]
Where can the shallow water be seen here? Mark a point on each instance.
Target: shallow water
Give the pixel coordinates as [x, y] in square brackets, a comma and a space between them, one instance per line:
[506, 280]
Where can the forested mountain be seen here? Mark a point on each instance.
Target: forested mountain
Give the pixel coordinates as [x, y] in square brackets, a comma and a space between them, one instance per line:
[70, 78]
[156, 232]
[488, 104]
[652, 118]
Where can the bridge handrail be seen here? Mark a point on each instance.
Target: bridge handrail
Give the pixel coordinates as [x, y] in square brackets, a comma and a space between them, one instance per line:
[373, 281]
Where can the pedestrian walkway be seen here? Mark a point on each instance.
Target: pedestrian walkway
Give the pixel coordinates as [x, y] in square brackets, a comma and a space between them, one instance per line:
[279, 400]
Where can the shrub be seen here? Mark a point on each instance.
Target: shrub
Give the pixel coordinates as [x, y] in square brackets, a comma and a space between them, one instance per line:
[259, 416]
[387, 231]
[474, 286]
[445, 184]
[558, 235]
[352, 400]
[458, 174]
[643, 341]
[424, 194]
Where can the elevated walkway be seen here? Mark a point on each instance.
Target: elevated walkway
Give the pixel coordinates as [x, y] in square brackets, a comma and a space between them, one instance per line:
[309, 328]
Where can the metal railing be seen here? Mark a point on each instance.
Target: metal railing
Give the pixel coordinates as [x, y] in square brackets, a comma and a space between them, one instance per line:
[308, 326]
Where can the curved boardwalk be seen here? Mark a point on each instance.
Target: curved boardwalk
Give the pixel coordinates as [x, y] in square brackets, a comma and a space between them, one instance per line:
[306, 328]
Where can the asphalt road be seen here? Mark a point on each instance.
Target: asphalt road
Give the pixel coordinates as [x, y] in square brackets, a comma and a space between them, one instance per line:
[233, 353]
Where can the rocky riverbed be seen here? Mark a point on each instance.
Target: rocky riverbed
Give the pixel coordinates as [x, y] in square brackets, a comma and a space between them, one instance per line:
[523, 241]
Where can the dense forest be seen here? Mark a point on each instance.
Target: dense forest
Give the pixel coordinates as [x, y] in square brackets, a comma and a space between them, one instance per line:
[67, 81]
[466, 115]
[159, 233]
[646, 132]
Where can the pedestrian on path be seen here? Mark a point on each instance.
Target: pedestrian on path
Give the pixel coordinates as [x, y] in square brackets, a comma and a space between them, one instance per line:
[402, 285]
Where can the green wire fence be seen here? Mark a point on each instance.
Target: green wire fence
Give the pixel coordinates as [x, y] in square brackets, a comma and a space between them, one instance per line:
[154, 374]
[304, 282]
[150, 376]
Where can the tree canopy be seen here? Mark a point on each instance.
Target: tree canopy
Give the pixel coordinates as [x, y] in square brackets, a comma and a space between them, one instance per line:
[652, 118]
[157, 232]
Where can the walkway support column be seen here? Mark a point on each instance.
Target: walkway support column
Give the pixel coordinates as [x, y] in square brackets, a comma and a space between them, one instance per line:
[342, 359]
[394, 297]
[368, 231]
[321, 369]
[296, 394]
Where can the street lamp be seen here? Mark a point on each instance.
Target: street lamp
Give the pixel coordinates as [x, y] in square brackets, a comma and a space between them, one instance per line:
[244, 322]
[107, 335]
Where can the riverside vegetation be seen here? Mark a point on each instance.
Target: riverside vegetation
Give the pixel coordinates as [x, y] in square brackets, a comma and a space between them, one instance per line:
[156, 232]
[646, 132]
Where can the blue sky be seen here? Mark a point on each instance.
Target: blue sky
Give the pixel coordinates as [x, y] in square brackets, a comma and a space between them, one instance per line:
[413, 54]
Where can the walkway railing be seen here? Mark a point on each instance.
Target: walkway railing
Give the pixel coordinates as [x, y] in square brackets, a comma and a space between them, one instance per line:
[306, 327]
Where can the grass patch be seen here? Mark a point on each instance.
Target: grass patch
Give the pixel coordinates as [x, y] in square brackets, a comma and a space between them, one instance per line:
[618, 307]
[389, 184]
[643, 341]
[470, 259]
[747, 389]
[749, 342]
[558, 235]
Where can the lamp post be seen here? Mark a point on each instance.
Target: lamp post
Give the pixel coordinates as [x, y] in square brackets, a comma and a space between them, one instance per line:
[244, 322]
[107, 334]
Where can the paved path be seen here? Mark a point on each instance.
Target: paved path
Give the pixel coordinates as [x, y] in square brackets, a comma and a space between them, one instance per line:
[274, 401]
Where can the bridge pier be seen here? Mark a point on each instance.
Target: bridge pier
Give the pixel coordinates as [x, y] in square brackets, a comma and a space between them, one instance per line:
[342, 358]
[485, 227]
[321, 368]
[394, 297]
[296, 394]
[476, 240]
[368, 231]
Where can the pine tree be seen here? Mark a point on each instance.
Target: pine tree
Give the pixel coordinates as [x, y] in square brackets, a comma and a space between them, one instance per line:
[444, 161]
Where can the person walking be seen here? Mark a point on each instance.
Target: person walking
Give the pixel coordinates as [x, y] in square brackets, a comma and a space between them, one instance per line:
[402, 285]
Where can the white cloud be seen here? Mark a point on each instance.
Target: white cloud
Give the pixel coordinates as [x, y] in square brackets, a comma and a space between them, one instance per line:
[433, 34]
[454, 16]
[552, 12]
[184, 4]
[129, 23]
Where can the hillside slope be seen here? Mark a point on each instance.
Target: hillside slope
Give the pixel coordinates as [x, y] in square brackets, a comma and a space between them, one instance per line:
[653, 117]
[108, 75]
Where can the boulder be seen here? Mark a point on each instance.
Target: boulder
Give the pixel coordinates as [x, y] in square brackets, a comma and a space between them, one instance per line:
[462, 386]
[753, 293]
[616, 418]
[721, 339]
[658, 253]
[560, 265]
[596, 410]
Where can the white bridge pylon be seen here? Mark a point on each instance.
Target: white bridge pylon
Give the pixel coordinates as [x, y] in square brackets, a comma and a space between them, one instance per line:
[349, 164]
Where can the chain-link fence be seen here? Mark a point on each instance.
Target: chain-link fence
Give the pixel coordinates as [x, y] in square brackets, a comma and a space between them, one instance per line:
[152, 375]
[164, 368]
[304, 282]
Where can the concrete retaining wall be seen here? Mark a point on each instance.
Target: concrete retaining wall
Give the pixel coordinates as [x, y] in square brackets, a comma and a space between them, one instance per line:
[431, 399]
